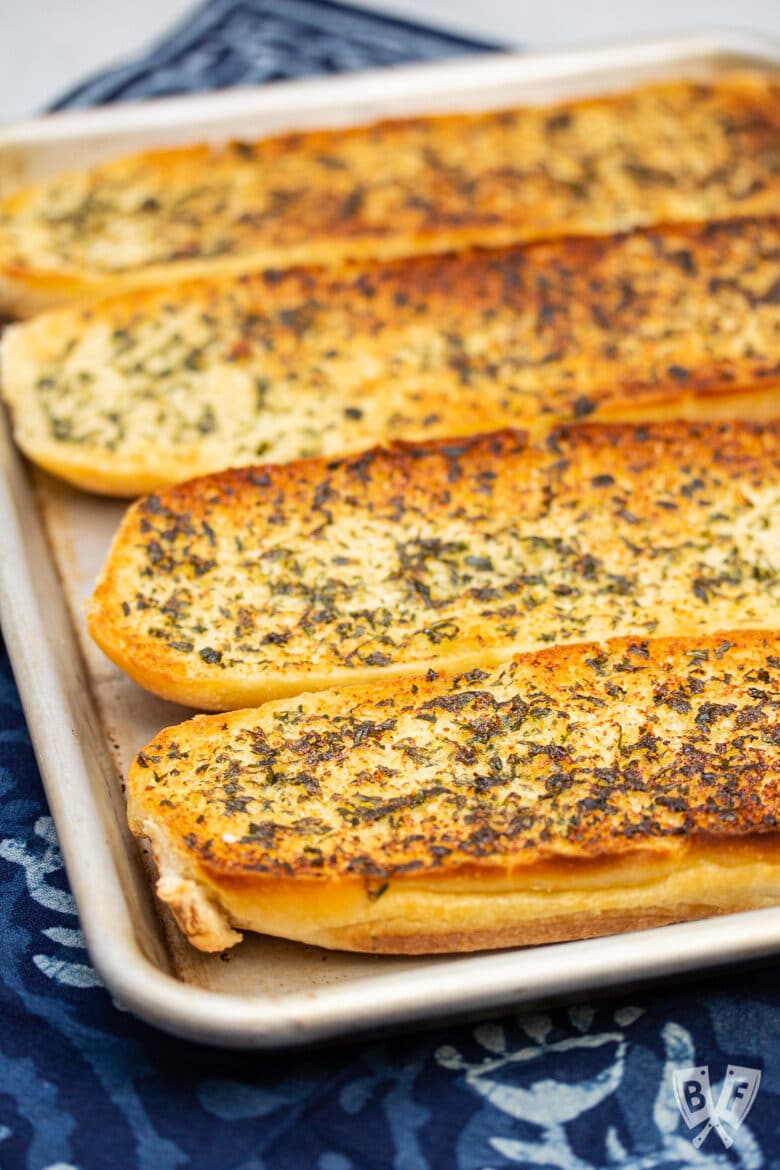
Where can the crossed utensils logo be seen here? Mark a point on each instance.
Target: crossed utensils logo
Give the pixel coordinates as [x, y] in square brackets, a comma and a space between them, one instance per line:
[694, 1099]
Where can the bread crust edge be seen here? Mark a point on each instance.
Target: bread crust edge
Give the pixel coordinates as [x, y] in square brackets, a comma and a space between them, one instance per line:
[213, 909]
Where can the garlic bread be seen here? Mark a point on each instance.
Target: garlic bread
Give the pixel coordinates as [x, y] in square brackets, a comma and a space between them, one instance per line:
[156, 387]
[253, 584]
[576, 791]
[672, 151]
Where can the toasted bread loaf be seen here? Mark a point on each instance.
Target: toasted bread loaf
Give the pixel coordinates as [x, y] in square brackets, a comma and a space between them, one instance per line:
[667, 152]
[576, 791]
[253, 584]
[156, 387]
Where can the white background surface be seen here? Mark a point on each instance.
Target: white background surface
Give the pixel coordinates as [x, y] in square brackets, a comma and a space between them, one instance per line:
[46, 46]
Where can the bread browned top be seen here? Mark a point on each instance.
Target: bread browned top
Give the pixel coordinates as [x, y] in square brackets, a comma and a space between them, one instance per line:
[155, 387]
[262, 582]
[583, 753]
[674, 151]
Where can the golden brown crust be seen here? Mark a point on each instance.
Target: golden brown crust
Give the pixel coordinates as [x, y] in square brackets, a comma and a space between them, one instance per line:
[555, 930]
[632, 781]
[153, 388]
[673, 151]
[552, 901]
[255, 584]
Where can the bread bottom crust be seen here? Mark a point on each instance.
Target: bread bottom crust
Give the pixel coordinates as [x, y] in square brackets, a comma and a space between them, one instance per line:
[673, 881]
[561, 929]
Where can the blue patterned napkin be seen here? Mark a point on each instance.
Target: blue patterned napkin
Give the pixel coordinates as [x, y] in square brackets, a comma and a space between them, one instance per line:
[84, 1086]
[248, 42]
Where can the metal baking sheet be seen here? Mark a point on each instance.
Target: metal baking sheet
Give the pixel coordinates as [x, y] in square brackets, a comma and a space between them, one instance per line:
[87, 720]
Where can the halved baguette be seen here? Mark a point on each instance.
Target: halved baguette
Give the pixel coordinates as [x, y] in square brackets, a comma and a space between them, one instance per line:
[257, 583]
[577, 791]
[153, 388]
[675, 151]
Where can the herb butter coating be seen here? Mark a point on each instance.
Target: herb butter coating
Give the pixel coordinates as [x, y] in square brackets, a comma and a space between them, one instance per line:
[154, 388]
[257, 583]
[669, 152]
[570, 792]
